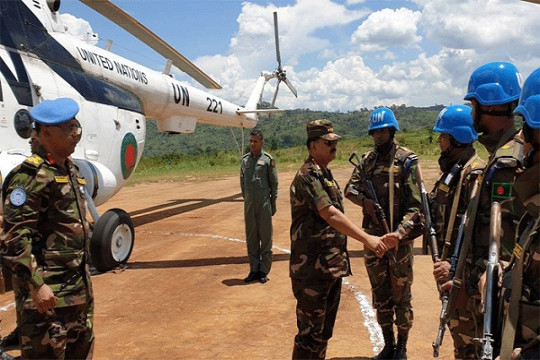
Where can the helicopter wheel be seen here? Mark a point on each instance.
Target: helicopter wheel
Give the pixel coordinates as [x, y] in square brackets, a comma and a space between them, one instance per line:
[112, 240]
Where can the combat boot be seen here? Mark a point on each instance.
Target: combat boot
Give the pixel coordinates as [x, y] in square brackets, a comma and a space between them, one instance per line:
[401, 348]
[389, 346]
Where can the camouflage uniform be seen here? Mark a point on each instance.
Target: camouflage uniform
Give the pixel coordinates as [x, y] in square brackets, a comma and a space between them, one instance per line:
[319, 259]
[441, 203]
[391, 282]
[523, 312]
[45, 240]
[259, 183]
[495, 185]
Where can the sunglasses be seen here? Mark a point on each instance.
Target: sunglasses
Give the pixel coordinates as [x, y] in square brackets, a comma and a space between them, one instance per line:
[75, 129]
[330, 142]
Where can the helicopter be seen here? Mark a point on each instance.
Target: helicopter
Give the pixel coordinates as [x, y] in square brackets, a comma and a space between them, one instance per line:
[40, 60]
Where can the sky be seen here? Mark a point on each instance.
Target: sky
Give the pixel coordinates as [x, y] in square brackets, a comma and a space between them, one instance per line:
[341, 55]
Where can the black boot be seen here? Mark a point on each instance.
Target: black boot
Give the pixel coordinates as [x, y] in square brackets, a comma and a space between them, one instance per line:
[401, 348]
[10, 341]
[389, 346]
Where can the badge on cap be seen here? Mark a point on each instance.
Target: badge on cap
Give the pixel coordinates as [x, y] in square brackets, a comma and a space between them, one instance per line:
[17, 197]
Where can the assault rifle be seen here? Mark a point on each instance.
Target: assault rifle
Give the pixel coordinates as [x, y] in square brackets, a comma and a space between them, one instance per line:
[445, 296]
[372, 195]
[458, 262]
[430, 235]
[492, 279]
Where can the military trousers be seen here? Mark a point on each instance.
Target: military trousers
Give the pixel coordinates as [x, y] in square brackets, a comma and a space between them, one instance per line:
[61, 333]
[464, 327]
[317, 302]
[258, 219]
[391, 288]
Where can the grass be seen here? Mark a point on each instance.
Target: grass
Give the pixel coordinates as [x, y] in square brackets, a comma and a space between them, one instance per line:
[223, 164]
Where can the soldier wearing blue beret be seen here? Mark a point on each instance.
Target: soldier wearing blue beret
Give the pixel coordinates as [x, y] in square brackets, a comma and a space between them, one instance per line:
[46, 240]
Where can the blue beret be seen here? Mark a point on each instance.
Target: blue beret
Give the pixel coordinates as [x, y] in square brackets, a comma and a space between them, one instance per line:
[53, 112]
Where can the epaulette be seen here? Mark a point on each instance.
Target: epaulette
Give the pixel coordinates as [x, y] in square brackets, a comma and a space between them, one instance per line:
[402, 154]
[267, 154]
[512, 149]
[245, 155]
[34, 160]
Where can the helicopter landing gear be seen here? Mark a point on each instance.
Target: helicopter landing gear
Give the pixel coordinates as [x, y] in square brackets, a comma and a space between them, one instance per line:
[112, 240]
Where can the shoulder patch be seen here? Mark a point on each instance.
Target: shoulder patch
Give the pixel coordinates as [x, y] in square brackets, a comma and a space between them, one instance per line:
[34, 160]
[17, 197]
[272, 162]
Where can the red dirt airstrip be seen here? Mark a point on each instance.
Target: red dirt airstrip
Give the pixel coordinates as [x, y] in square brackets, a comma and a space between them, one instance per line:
[182, 296]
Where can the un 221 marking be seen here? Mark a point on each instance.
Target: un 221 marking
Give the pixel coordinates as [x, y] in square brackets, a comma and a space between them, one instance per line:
[213, 105]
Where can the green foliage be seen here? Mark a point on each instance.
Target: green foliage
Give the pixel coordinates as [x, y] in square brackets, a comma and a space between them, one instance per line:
[213, 151]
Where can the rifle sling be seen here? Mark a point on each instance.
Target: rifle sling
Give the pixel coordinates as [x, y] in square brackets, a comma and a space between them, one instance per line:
[453, 212]
[512, 314]
[469, 227]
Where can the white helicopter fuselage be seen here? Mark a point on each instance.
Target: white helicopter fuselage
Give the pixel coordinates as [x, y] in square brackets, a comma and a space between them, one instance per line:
[39, 60]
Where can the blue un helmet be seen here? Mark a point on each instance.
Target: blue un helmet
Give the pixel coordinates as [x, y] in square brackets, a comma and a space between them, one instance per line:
[529, 103]
[457, 121]
[495, 83]
[381, 118]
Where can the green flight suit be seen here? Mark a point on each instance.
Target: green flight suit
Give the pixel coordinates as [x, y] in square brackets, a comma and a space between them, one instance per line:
[259, 183]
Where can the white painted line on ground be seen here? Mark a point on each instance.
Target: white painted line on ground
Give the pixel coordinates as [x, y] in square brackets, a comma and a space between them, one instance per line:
[367, 311]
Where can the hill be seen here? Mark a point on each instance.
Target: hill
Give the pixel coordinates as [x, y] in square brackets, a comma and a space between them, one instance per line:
[283, 130]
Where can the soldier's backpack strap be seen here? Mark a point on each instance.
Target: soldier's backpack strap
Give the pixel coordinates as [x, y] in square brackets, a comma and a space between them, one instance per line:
[512, 314]
[453, 212]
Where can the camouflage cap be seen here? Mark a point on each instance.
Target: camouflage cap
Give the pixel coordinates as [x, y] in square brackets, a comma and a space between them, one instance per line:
[321, 128]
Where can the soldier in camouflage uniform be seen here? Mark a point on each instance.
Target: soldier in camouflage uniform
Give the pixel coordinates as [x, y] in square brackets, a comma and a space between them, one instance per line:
[319, 257]
[390, 281]
[493, 90]
[46, 238]
[451, 194]
[259, 183]
[521, 332]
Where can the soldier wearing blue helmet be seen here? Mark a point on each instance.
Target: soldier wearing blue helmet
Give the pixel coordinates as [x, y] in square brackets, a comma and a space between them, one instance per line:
[460, 167]
[493, 91]
[392, 170]
[46, 240]
[521, 333]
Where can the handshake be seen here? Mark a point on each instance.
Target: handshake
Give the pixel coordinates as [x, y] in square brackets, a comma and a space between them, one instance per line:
[386, 243]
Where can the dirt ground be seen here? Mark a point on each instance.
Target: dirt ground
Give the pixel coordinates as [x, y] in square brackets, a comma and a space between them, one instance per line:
[182, 295]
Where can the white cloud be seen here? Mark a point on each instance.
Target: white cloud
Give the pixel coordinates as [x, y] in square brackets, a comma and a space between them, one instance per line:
[421, 56]
[79, 28]
[387, 28]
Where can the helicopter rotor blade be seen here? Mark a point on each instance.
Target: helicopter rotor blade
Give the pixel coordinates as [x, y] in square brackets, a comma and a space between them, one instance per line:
[275, 94]
[141, 32]
[276, 35]
[291, 87]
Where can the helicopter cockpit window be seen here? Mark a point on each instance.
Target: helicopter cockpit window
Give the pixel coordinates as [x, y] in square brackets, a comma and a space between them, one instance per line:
[23, 123]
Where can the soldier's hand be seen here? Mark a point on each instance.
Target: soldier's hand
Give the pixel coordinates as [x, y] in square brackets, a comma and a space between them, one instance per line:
[274, 208]
[370, 209]
[391, 240]
[43, 298]
[447, 286]
[380, 249]
[441, 270]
